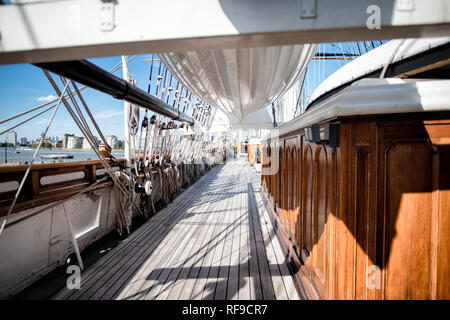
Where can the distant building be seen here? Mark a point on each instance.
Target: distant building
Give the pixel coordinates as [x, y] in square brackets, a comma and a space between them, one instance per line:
[11, 137]
[23, 140]
[66, 139]
[87, 145]
[74, 142]
[113, 142]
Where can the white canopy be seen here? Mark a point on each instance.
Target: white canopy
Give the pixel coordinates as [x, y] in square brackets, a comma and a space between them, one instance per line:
[240, 81]
[375, 60]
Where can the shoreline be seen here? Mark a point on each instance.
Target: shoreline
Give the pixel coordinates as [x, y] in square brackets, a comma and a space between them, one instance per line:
[24, 156]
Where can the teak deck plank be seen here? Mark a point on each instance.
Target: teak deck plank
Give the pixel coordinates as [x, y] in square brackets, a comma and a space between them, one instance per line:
[215, 241]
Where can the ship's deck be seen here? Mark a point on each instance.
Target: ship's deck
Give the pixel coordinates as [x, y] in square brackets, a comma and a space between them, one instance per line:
[215, 241]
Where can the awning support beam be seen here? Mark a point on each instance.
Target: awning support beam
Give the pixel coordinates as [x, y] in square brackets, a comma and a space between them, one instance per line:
[79, 29]
[89, 74]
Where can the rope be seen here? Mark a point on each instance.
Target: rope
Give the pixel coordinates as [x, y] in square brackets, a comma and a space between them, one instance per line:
[123, 204]
[115, 68]
[391, 58]
[125, 196]
[89, 113]
[27, 119]
[34, 156]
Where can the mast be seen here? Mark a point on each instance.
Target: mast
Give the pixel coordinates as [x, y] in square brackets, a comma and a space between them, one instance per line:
[126, 113]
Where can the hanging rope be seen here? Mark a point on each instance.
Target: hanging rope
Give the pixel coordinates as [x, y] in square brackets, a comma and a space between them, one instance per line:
[126, 192]
[19, 190]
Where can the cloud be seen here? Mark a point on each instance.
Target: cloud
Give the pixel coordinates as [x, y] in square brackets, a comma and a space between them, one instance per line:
[108, 114]
[48, 98]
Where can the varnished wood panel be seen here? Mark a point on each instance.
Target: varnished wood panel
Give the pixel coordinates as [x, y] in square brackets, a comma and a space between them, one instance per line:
[362, 216]
[408, 214]
[441, 210]
[307, 206]
[320, 250]
[379, 201]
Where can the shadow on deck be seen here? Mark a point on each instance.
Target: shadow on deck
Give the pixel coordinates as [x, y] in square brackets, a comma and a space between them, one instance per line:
[215, 241]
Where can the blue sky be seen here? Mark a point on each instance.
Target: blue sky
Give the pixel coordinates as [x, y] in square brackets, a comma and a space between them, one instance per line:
[24, 86]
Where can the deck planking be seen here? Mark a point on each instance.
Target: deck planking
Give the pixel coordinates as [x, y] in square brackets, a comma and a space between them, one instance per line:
[214, 241]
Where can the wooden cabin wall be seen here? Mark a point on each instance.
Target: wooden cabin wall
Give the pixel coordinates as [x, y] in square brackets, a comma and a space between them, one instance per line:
[381, 199]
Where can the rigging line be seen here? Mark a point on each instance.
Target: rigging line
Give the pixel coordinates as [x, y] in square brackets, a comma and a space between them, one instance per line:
[146, 111]
[359, 49]
[365, 46]
[101, 158]
[170, 88]
[314, 75]
[87, 132]
[168, 144]
[342, 50]
[163, 92]
[29, 110]
[334, 51]
[133, 125]
[140, 140]
[145, 120]
[187, 101]
[82, 118]
[115, 68]
[323, 64]
[180, 97]
[89, 113]
[158, 79]
[150, 77]
[391, 58]
[150, 138]
[176, 94]
[77, 121]
[145, 124]
[301, 90]
[164, 87]
[28, 119]
[22, 183]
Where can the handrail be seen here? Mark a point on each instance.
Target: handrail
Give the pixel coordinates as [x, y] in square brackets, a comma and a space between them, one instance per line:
[63, 180]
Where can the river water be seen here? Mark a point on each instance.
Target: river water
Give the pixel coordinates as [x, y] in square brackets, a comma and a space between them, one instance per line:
[27, 155]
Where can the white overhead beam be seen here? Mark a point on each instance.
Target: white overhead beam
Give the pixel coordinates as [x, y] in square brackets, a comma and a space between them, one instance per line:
[254, 125]
[75, 29]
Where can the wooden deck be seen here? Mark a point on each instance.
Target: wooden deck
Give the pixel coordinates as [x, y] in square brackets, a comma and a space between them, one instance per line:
[215, 241]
